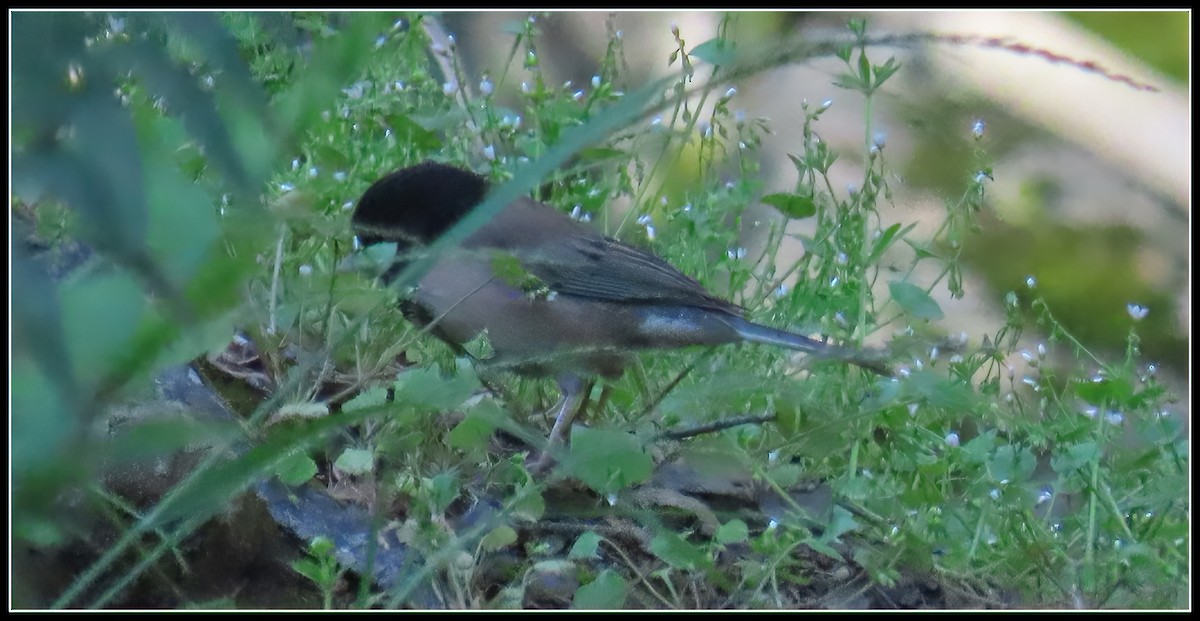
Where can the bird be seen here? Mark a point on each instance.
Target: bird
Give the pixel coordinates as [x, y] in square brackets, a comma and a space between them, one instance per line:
[591, 301]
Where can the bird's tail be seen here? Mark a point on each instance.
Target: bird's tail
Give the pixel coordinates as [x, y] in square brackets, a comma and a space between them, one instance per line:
[756, 333]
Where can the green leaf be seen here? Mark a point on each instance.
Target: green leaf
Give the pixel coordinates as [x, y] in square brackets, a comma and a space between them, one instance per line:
[374, 397]
[914, 300]
[980, 447]
[413, 133]
[586, 546]
[1074, 457]
[1012, 464]
[100, 314]
[355, 461]
[425, 389]
[733, 531]
[716, 51]
[679, 552]
[442, 489]
[606, 592]
[472, 433]
[840, 522]
[607, 461]
[500, 537]
[1117, 391]
[296, 469]
[792, 205]
[884, 241]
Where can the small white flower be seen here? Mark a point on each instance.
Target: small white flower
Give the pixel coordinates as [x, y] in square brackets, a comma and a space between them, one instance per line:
[595, 81]
[286, 187]
[380, 40]
[449, 88]
[952, 439]
[825, 105]
[650, 233]
[977, 128]
[781, 291]
[1030, 282]
[879, 140]
[306, 270]
[312, 171]
[1137, 311]
[489, 153]
[486, 86]
[339, 175]
[731, 92]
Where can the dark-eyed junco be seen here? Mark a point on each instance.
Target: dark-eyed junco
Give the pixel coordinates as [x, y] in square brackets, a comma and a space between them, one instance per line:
[599, 300]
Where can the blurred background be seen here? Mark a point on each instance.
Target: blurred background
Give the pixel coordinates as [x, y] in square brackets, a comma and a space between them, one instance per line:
[1091, 192]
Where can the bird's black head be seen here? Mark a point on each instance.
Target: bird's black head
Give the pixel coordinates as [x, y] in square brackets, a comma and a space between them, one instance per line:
[415, 205]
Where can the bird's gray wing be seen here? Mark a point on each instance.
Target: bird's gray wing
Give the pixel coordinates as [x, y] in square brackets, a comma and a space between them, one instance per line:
[604, 268]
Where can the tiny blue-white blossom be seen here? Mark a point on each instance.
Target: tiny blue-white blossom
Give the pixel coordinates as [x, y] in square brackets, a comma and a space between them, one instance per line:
[286, 187]
[879, 139]
[1030, 282]
[489, 153]
[825, 105]
[305, 270]
[645, 220]
[486, 86]
[952, 439]
[449, 88]
[650, 232]
[312, 171]
[731, 92]
[380, 40]
[1137, 311]
[339, 175]
[977, 128]
[595, 81]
